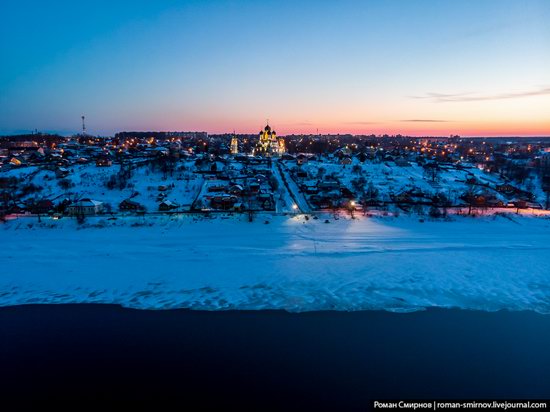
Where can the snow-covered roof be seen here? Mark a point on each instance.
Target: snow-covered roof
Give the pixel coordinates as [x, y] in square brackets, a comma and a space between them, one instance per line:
[169, 203]
[88, 203]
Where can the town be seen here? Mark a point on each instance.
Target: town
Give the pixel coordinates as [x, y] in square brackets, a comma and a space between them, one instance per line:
[138, 173]
[275, 205]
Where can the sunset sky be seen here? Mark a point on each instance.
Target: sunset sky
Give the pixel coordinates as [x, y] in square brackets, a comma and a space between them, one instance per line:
[469, 67]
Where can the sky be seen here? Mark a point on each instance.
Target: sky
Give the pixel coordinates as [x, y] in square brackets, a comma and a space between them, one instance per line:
[415, 67]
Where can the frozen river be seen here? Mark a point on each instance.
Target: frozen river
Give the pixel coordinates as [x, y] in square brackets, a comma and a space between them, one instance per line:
[290, 263]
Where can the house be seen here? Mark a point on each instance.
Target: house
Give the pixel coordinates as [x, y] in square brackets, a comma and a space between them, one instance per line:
[362, 157]
[343, 151]
[14, 161]
[404, 197]
[309, 187]
[321, 201]
[241, 158]
[17, 209]
[301, 159]
[346, 193]
[301, 173]
[238, 207]
[507, 189]
[160, 151]
[402, 162]
[254, 187]
[217, 188]
[236, 190]
[85, 207]
[131, 206]
[345, 160]
[167, 205]
[42, 206]
[328, 185]
[61, 172]
[103, 161]
[520, 204]
[36, 157]
[266, 201]
[224, 202]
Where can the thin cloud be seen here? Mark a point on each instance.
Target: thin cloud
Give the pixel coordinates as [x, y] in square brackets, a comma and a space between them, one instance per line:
[472, 97]
[425, 121]
[360, 122]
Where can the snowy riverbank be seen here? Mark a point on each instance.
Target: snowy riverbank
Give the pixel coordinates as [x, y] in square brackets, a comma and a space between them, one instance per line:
[397, 264]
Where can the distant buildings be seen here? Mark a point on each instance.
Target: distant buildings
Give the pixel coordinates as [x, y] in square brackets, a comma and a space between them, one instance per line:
[329, 170]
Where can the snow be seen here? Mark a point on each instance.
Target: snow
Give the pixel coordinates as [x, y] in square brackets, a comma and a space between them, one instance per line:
[390, 178]
[89, 182]
[291, 263]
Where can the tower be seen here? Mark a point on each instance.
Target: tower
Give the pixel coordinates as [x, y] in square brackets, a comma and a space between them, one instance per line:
[83, 126]
[234, 145]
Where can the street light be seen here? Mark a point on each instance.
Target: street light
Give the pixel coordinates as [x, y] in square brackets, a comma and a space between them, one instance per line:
[295, 207]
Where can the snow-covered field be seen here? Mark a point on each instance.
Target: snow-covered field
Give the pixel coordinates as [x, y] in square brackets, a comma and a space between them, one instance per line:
[291, 263]
[89, 181]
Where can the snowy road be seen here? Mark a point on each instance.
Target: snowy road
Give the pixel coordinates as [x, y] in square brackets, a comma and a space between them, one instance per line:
[295, 193]
[283, 197]
[290, 263]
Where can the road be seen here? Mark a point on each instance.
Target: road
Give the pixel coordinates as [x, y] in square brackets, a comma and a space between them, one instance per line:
[292, 194]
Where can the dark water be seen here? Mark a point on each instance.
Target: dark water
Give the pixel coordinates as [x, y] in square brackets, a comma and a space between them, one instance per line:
[97, 354]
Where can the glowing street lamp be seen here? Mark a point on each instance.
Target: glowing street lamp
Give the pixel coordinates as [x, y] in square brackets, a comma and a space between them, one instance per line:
[295, 207]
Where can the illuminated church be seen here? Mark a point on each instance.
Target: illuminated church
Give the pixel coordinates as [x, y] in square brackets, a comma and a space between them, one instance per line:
[268, 144]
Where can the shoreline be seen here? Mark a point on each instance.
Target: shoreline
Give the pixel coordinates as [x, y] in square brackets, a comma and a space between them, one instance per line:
[431, 309]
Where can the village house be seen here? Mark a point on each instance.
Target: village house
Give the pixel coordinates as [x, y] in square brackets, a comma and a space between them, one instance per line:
[129, 205]
[103, 161]
[217, 188]
[402, 162]
[266, 201]
[85, 207]
[236, 190]
[167, 205]
[309, 187]
[14, 161]
[345, 160]
[239, 207]
[328, 184]
[42, 206]
[224, 201]
[301, 159]
[61, 172]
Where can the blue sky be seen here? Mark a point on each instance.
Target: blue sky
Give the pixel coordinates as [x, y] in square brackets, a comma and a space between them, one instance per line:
[418, 67]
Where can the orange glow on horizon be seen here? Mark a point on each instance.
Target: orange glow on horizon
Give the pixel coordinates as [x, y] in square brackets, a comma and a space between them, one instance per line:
[490, 129]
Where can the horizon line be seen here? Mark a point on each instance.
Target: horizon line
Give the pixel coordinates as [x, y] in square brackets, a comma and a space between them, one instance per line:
[69, 134]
